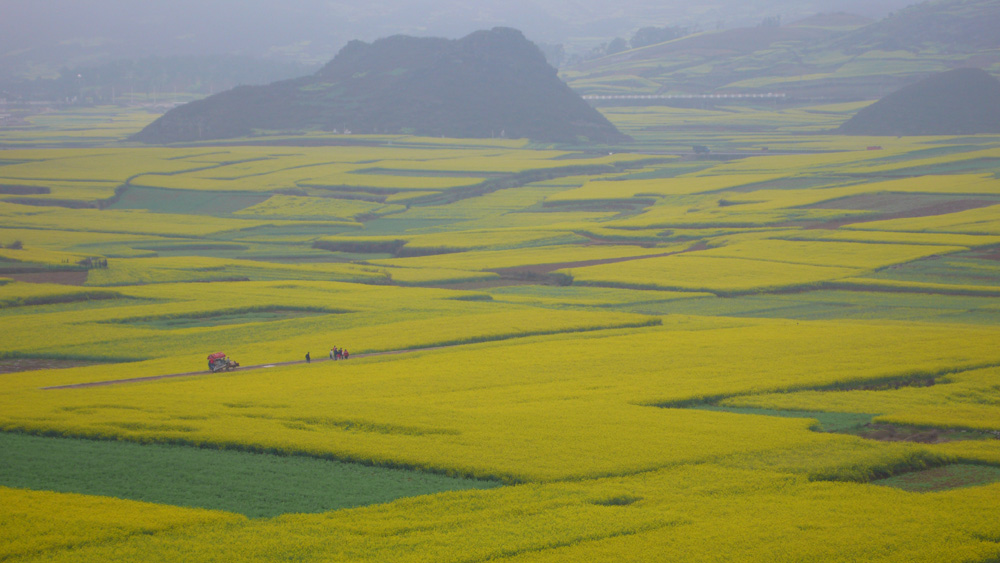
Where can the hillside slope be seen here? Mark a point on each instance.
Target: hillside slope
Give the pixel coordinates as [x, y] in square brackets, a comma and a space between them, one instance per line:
[963, 101]
[488, 84]
[832, 57]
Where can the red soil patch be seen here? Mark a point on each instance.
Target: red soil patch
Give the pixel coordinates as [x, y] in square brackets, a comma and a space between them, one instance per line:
[990, 254]
[72, 277]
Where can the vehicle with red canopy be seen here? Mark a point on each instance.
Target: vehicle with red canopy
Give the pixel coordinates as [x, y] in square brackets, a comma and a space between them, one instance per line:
[219, 361]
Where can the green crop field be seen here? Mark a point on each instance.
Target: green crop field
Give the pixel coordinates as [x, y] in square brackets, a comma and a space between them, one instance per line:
[255, 484]
[786, 348]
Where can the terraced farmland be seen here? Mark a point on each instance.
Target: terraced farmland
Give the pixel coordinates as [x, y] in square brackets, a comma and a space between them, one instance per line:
[557, 353]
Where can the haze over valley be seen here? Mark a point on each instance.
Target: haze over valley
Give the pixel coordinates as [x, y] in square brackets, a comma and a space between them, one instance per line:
[521, 282]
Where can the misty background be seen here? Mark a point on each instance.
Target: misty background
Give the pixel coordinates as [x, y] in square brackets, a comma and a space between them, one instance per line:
[208, 45]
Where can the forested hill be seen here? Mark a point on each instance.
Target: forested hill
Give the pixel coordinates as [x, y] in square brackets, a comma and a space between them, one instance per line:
[488, 84]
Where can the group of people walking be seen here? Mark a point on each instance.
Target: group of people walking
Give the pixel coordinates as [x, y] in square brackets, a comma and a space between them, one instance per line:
[335, 354]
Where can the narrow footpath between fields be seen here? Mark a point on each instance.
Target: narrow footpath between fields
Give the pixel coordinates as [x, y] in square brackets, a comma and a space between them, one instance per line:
[241, 368]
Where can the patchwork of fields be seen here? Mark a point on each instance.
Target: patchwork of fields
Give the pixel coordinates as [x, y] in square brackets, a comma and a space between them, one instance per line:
[557, 354]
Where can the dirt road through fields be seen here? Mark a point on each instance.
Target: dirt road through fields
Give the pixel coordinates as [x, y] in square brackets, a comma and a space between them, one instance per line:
[241, 368]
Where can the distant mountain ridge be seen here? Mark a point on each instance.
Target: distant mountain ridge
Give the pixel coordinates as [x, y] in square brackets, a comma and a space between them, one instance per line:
[833, 57]
[963, 101]
[45, 37]
[490, 83]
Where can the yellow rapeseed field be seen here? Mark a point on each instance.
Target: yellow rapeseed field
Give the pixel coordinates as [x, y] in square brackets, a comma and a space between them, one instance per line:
[673, 513]
[655, 357]
[695, 272]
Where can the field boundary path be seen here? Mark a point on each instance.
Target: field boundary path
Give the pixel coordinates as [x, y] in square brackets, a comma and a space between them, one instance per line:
[241, 368]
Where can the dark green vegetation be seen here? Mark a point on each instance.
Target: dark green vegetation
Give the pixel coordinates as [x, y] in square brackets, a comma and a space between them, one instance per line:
[188, 202]
[257, 485]
[890, 204]
[222, 318]
[623, 500]
[62, 306]
[963, 101]
[14, 365]
[11, 266]
[921, 472]
[900, 433]
[822, 304]
[977, 267]
[943, 478]
[827, 421]
[54, 298]
[829, 56]
[857, 424]
[488, 84]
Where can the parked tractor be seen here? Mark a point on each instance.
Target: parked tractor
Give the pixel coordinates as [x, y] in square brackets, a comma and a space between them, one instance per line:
[219, 361]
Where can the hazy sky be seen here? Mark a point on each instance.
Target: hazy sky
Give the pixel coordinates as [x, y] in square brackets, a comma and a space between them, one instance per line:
[313, 30]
